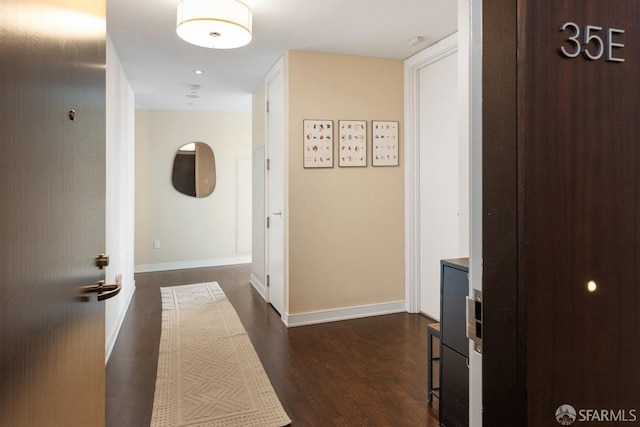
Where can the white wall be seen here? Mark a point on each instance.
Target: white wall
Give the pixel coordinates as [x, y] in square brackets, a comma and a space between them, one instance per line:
[120, 179]
[210, 231]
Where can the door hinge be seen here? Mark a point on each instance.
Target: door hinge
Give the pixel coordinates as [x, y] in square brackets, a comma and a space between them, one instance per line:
[267, 106]
[268, 222]
[474, 320]
[268, 164]
[268, 280]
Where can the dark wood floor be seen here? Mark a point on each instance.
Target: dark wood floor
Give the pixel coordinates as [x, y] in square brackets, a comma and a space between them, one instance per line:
[363, 372]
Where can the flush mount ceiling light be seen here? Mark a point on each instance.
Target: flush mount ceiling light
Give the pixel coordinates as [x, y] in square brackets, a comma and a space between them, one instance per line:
[217, 24]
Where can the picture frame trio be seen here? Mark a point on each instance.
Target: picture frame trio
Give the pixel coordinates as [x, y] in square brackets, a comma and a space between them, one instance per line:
[318, 145]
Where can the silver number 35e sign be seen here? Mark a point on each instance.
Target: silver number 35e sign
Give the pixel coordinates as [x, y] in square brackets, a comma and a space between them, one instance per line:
[593, 42]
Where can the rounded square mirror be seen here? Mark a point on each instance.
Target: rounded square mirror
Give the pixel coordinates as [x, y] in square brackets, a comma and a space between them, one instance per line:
[194, 170]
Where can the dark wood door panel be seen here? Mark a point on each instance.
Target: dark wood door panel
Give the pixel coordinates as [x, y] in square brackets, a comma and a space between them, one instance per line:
[579, 128]
[561, 192]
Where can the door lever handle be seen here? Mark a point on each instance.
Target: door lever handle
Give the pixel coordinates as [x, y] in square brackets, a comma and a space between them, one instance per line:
[104, 291]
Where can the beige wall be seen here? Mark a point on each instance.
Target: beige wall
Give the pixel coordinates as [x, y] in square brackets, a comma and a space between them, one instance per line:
[192, 232]
[346, 225]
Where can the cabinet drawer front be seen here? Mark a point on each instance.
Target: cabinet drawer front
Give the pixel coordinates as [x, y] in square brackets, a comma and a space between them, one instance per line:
[454, 389]
[455, 288]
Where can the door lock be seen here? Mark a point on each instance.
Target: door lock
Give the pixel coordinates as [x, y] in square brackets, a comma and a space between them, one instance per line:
[474, 320]
[102, 261]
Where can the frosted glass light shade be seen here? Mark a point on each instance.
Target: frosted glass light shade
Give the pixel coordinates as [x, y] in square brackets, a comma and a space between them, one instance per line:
[217, 24]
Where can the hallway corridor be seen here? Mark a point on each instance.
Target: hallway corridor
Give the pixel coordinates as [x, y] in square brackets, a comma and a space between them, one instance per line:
[362, 372]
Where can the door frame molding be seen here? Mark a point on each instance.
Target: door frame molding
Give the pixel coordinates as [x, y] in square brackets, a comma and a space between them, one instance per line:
[504, 390]
[470, 61]
[412, 68]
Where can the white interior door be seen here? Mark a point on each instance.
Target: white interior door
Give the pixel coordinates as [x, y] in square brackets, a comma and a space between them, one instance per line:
[440, 162]
[437, 173]
[275, 188]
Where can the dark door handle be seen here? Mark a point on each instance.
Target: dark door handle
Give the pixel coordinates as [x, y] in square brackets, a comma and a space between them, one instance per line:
[104, 291]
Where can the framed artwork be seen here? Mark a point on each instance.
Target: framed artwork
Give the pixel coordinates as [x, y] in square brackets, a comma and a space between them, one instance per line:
[318, 143]
[352, 143]
[384, 143]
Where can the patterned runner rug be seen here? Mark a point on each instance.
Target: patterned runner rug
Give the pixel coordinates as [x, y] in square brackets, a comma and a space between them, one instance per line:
[208, 372]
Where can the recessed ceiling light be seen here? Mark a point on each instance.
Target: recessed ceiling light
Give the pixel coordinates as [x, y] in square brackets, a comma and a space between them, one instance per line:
[198, 72]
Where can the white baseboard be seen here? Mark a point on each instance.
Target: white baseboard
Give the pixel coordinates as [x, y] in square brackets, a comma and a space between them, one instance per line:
[258, 285]
[216, 262]
[334, 315]
[114, 335]
[431, 316]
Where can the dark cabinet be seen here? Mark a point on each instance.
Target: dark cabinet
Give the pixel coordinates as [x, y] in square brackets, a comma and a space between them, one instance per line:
[454, 350]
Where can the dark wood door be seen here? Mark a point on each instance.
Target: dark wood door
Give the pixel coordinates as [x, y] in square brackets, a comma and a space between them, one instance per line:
[561, 208]
[52, 209]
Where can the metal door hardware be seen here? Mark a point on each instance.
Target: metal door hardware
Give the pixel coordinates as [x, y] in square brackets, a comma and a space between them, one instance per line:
[102, 261]
[474, 320]
[104, 291]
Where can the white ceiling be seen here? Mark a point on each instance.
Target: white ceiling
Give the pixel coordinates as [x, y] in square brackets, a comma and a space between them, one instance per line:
[159, 65]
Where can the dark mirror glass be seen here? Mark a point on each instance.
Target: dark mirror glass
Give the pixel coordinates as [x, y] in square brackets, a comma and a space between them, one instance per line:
[194, 170]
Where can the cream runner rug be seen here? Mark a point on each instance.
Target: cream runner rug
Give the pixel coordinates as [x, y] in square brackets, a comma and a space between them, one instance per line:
[208, 372]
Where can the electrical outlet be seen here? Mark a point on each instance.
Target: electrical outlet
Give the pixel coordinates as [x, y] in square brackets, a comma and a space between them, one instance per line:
[156, 244]
[118, 279]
